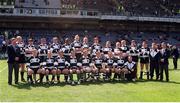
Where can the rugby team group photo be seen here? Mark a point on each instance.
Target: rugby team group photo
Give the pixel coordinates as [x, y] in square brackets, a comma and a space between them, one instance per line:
[89, 62]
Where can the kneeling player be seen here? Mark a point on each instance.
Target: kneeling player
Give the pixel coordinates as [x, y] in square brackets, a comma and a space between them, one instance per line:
[49, 67]
[33, 67]
[131, 66]
[74, 68]
[61, 66]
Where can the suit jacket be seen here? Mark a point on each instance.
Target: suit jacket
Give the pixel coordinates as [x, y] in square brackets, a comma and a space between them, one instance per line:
[175, 53]
[13, 52]
[165, 56]
[155, 58]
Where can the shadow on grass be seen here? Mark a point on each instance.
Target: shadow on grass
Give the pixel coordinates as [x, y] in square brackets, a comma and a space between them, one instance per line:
[62, 84]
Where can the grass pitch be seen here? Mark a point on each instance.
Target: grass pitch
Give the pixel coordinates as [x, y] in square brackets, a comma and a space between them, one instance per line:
[143, 90]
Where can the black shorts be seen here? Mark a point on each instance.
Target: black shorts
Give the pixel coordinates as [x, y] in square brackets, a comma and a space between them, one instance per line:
[74, 68]
[135, 58]
[22, 58]
[35, 70]
[144, 60]
[61, 68]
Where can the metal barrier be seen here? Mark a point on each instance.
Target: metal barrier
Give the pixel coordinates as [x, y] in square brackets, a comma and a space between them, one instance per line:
[80, 14]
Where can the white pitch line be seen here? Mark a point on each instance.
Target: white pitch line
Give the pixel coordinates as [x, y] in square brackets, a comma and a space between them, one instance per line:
[3, 69]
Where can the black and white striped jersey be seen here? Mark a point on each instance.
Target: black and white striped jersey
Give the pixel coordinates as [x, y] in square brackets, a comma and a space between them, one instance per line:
[98, 62]
[86, 61]
[61, 62]
[73, 62]
[144, 52]
[29, 47]
[134, 53]
[76, 44]
[105, 50]
[120, 62]
[49, 63]
[66, 49]
[43, 50]
[95, 48]
[109, 61]
[55, 49]
[124, 49]
[33, 63]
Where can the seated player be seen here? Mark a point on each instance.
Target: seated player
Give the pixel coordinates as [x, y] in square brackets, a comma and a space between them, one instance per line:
[119, 67]
[33, 67]
[61, 66]
[97, 65]
[86, 64]
[131, 66]
[49, 67]
[74, 68]
[109, 66]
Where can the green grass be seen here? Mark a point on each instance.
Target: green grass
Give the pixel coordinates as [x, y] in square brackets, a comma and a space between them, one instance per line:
[96, 92]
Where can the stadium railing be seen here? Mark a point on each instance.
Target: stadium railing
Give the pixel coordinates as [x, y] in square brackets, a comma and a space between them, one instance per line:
[81, 14]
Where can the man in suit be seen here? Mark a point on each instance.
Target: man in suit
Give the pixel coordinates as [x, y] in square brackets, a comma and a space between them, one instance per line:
[164, 55]
[154, 61]
[175, 55]
[13, 52]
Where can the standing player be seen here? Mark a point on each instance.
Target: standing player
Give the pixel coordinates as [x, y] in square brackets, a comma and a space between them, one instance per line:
[134, 53]
[107, 49]
[55, 47]
[29, 49]
[144, 59]
[76, 46]
[96, 47]
[22, 60]
[66, 48]
[117, 49]
[124, 48]
[42, 51]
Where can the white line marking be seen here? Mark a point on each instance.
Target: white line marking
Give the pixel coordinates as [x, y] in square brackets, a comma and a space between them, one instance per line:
[3, 69]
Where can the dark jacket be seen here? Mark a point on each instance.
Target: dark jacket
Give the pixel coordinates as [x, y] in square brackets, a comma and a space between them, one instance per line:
[12, 53]
[165, 56]
[175, 53]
